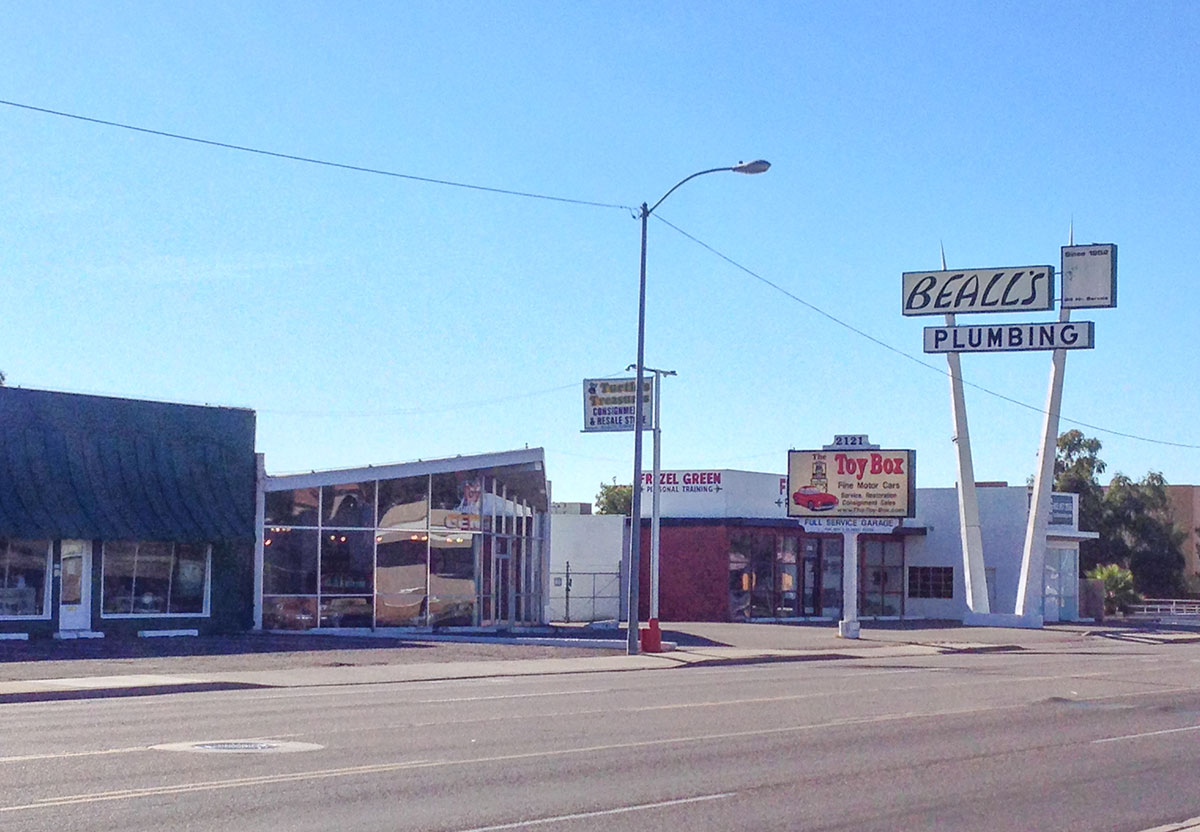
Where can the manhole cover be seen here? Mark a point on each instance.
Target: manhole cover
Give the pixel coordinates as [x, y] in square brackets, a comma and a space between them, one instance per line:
[239, 746]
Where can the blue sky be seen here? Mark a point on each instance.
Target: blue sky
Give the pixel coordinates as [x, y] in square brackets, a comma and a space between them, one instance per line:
[374, 319]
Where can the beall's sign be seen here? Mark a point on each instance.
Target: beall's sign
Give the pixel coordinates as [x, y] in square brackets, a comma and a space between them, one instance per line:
[608, 403]
[966, 291]
[1074, 335]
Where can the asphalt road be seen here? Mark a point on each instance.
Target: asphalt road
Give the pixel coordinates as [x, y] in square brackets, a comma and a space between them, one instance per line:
[1101, 738]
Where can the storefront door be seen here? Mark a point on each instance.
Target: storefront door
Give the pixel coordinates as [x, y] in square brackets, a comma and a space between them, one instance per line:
[810, 598]
[75, 598]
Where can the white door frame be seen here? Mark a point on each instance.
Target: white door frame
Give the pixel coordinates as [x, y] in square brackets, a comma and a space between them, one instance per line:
[75, 587]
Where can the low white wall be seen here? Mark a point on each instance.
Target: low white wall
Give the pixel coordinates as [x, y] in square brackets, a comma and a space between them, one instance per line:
[590, 543]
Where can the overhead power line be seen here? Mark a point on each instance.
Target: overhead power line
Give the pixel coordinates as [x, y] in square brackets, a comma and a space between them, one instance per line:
[571, 201]
[835, 319]
[311, 161]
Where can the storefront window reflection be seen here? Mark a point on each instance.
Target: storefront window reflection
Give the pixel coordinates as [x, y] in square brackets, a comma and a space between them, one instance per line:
[347, 561]
[400, 552]
[348, 505]
[778, 574]
[24, 565]
[154, 578]
[290, 561]
[404, 503]
[292, 508]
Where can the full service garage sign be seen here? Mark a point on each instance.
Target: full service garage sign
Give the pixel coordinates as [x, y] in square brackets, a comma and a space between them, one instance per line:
[836, 483]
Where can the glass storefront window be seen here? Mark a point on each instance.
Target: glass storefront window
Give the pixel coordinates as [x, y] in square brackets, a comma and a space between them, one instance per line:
[350, 505]
[402, 610]
[188, 578]
[154, 578]
[456, 502]
[408, 551]
[347, 562]
[831, 577]
[290, 561]
[881, 580]
[404, 503]
[346, 611]
[452, 579]
[24, 567]
[292, 508]
[401, 578]
[289, 613]
[788, 578]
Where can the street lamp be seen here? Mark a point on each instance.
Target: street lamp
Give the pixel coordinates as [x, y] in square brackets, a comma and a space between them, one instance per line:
[635, 532]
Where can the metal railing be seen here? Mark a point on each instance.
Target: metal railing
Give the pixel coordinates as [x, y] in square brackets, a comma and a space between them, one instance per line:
[1166, 606]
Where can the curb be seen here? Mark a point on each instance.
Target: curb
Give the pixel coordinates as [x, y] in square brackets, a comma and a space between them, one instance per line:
[65, 694]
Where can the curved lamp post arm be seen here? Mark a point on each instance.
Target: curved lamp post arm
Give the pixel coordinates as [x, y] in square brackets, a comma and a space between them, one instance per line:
[649, 211]
[757, 166]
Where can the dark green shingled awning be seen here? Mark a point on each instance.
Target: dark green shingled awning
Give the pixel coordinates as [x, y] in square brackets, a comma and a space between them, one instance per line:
[92, 467]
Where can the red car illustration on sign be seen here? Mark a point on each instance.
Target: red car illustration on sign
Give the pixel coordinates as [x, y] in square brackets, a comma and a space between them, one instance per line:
[814, 499]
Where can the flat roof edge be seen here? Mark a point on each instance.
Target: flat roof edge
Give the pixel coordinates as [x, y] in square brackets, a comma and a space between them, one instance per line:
[419, 467]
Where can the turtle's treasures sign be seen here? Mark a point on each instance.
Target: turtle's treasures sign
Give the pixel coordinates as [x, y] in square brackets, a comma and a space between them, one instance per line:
[851, 483]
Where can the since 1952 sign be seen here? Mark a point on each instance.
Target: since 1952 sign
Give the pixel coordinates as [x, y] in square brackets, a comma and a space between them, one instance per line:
[850, 483]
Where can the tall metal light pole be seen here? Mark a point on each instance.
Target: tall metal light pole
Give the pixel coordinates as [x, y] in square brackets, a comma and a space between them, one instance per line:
[635, 531]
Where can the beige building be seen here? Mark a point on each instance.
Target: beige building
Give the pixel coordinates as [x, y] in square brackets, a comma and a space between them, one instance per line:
[1185, 511]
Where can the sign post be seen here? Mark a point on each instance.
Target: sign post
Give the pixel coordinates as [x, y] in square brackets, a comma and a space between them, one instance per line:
[1089, 280]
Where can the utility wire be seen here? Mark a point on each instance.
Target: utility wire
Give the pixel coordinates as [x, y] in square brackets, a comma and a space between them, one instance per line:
[569, 201]
[418, 411]
[312, 161]
[904, 354]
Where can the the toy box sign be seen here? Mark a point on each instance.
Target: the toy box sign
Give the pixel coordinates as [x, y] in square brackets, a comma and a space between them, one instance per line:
[866, 483]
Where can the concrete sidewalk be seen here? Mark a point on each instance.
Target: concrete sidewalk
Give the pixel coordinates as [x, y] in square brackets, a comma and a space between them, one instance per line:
[698, 644]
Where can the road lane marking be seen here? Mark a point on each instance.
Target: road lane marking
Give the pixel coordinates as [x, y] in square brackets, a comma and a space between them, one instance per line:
[318, 774]
[1182, 826]
[62, 755]
[1147, 734]
[640, 807]
[212, 785]
[637, 709]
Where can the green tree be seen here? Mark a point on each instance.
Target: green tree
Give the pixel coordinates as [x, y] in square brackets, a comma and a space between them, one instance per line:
[1077, 467]
[1118, 586]
[614, 499]
[1137, 531]
[1132, 518]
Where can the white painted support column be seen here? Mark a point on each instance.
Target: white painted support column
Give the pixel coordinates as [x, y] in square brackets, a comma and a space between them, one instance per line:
[1033, 557]
[848, 627]
[974, 577]
[260, 513]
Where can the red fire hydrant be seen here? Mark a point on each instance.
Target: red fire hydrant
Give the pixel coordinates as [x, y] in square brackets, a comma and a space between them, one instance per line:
[652, 637]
